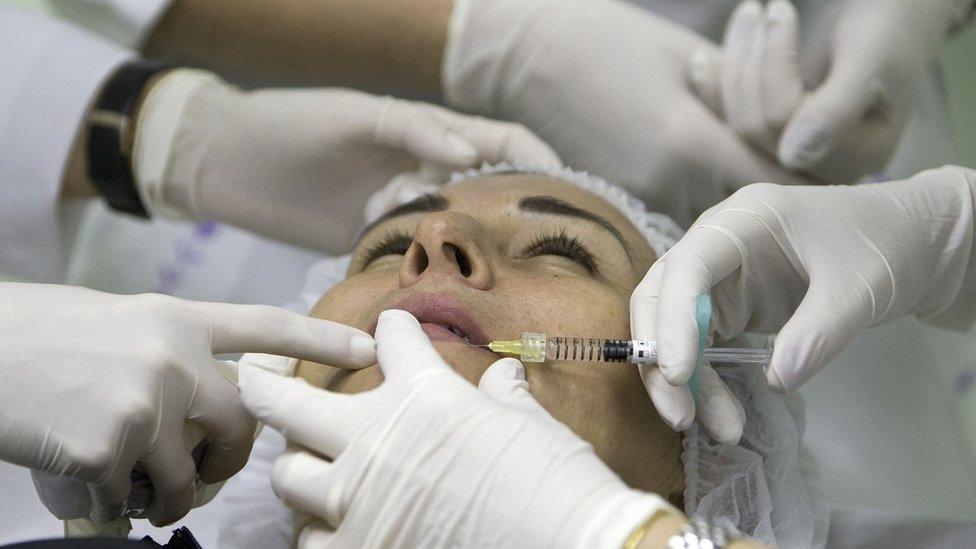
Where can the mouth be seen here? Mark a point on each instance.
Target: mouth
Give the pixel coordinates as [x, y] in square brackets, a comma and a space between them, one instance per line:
[443, 317]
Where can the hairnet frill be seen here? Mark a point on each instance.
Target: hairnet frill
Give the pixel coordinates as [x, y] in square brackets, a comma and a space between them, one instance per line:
[757, 485]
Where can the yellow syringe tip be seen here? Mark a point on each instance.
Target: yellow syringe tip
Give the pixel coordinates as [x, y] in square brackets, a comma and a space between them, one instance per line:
[513, 348]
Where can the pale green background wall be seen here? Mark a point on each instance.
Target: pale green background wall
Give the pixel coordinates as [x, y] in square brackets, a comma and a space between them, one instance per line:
[959, 61]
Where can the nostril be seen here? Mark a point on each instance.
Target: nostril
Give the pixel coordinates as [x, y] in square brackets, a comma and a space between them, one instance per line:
[420, 258]
[460, 258]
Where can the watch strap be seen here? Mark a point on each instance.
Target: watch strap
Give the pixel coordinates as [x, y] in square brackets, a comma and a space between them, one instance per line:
[109, 128]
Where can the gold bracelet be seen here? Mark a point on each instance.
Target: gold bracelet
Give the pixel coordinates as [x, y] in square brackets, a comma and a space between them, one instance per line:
[638, 534]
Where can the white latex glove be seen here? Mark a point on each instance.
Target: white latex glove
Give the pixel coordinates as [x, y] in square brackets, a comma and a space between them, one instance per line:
[298, 165]
[95, 383]
[867, 68]
[816, 264]
[605, 84]
[427, 460]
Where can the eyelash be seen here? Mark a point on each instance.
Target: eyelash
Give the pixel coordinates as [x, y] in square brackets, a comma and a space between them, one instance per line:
[563, 245]
[392, 243]
[559, 244]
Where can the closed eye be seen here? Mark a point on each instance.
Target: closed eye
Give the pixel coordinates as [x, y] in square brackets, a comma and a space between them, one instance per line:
[393, 243]
[562, 245]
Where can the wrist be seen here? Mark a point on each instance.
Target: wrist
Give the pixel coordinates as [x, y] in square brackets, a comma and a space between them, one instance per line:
[157, 124]
[617, 516]
[656, 531]
[108, 135]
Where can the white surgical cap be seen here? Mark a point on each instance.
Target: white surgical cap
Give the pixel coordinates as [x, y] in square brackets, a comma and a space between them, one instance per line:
[756, 485]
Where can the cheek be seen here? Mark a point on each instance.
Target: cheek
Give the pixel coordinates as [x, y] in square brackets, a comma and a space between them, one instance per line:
[356, 300]
[568, 306]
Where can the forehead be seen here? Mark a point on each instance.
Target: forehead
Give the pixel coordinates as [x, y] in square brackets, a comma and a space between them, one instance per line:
[501, 194]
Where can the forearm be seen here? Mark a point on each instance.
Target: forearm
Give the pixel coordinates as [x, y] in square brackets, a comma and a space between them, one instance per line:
[376, 45]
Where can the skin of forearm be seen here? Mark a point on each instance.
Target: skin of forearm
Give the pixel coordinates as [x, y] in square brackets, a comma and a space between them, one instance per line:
[381, 46]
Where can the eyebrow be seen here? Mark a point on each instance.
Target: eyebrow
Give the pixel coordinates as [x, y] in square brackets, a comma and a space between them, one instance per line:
[554, 206]
[431, 202]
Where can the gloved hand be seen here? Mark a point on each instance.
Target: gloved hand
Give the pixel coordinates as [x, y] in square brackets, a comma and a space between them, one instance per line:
[426, 459]
[298, 165]
[868, 69]
[95, 383]
[816, 264]
[605, 84]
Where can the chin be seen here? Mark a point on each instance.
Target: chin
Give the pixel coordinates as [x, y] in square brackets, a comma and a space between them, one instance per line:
[469, 362]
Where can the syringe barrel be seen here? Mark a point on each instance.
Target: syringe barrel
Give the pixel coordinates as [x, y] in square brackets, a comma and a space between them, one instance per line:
[539, 348]
[588, 349]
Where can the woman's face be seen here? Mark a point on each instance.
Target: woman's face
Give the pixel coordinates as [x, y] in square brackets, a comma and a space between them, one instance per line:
[493, 257]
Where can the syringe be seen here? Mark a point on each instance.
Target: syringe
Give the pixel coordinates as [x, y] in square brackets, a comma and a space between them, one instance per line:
[540, 348]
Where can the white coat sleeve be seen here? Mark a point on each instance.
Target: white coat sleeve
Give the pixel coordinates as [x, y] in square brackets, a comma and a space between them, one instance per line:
[126, 22]
[49, 73]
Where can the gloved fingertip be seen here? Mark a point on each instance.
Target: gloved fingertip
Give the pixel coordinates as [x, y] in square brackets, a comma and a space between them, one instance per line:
[729, 434]
[779, 11]
[248, 373]
[699, 70]
[262, 392]
[394, 316]
[683, 423]
[102, 515]
[280, 470]
[362, 350]
[464, 152]
[775, 381]
[750, 7]
[678, 418]
[511, 367]
[802, 145]
[677, 372]
[501, 376]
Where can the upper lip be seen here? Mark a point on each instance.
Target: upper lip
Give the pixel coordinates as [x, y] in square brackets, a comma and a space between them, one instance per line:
[445, 310]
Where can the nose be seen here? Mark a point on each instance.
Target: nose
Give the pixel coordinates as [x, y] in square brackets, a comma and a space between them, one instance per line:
[444, 245]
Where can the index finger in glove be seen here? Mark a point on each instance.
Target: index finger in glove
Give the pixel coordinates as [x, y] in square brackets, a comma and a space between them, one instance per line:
[315, 418]
[824, 117]
[412, 127]
[402, 348]
[700, 260]
[782, 80]
[673, 403]
[498, 141]
[719, 413]
[505, 382]
[272, 330]
[738, 163]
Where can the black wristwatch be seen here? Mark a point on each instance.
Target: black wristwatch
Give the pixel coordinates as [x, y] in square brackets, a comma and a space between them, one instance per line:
[109, 125]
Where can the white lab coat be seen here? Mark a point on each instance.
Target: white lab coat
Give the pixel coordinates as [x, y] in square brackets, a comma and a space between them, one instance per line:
[49, 72]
